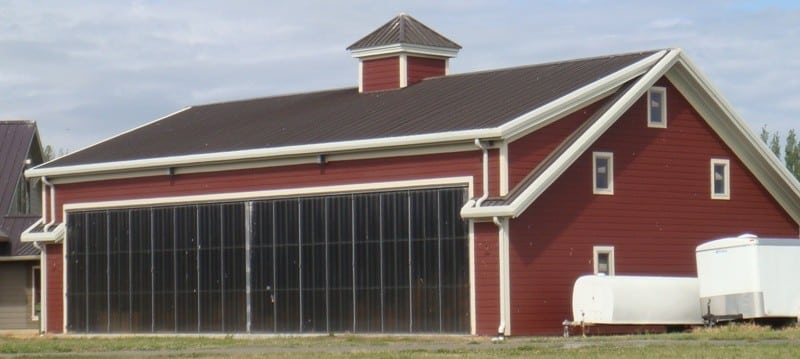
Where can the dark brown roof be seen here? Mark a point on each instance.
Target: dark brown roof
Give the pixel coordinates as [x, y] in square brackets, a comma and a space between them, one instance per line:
[404, 29]
[16, 139]
[479, 100]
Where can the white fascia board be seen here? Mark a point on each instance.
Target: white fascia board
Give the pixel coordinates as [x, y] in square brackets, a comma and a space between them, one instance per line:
[267, 153]
[467, 211]
[586, 94]
[55, 235]
[580, 145]
[20, 258]
[735, 132]
[400, 48]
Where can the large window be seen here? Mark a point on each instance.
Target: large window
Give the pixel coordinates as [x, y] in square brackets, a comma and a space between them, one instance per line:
[368, 262]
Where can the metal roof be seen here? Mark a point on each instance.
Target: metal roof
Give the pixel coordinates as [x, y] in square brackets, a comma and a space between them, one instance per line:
[16, 138]
[480, 100]
[16, 141]
[404, 29]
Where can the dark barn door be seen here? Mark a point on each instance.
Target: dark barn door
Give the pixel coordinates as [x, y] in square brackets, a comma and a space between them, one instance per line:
[367, 262]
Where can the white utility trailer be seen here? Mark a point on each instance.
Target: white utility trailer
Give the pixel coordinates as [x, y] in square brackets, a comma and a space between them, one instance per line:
[749, 277]
[635, 300]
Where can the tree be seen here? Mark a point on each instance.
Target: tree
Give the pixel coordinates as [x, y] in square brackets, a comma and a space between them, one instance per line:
[792, 154]
[791, 149]
[48, 153]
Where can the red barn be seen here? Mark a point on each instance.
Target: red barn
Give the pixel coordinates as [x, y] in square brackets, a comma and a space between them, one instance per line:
[421, 201]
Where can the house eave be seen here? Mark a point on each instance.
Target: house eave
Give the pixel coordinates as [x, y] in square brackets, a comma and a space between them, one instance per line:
[151, 166]
[31, 235]
[403, 48]
[29, 258]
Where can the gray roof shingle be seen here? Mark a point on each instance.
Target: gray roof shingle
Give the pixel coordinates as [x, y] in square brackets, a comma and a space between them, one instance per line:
[479, 100]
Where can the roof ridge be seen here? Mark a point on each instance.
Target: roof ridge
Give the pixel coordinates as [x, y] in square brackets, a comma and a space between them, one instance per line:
[404, 29]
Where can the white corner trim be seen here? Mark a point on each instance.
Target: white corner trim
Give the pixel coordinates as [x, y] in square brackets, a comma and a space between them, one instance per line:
[360, 76]
[403, 64]
[503, 168]
[284, 192]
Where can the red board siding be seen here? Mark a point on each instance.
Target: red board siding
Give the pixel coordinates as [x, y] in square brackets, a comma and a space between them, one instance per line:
[487, 279]
[381, 74]
[420, 68]
[527, 152]
[660, 211]
[55, 288]
[271, 178]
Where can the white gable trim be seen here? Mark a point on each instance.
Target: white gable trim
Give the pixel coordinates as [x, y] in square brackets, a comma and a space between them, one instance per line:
[578, 147]
[723, 120]
[544, 115]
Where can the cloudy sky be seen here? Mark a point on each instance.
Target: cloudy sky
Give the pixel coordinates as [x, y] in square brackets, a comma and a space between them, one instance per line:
[86, 70]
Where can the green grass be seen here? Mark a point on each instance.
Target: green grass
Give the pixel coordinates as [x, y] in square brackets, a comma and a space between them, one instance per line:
[741, 340]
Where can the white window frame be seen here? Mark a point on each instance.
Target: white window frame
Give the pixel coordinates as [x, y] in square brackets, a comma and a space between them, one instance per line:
[609, 172]
[726, 194]
[596, 251]
[34, 269]
[663, 92]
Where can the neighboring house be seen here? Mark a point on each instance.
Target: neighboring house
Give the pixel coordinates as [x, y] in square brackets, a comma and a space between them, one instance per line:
[420, 201]
[20, 207]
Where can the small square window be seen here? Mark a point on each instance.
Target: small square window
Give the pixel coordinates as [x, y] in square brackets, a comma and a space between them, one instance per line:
[603, 169]
[657, 107]
[720, 179]
[603, 260]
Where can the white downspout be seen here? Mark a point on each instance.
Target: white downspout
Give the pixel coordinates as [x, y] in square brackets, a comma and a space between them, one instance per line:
[502, 247]
[502, 250]
[46, 183]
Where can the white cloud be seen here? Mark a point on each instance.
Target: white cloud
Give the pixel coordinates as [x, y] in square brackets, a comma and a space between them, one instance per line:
[88, 70]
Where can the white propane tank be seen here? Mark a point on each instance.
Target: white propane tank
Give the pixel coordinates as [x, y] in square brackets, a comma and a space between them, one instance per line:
[636, 300]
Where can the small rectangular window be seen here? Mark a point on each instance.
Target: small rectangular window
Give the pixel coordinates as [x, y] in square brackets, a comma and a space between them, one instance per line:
[603, 260]
[720, 179]
[657, 107]
[603, 169]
